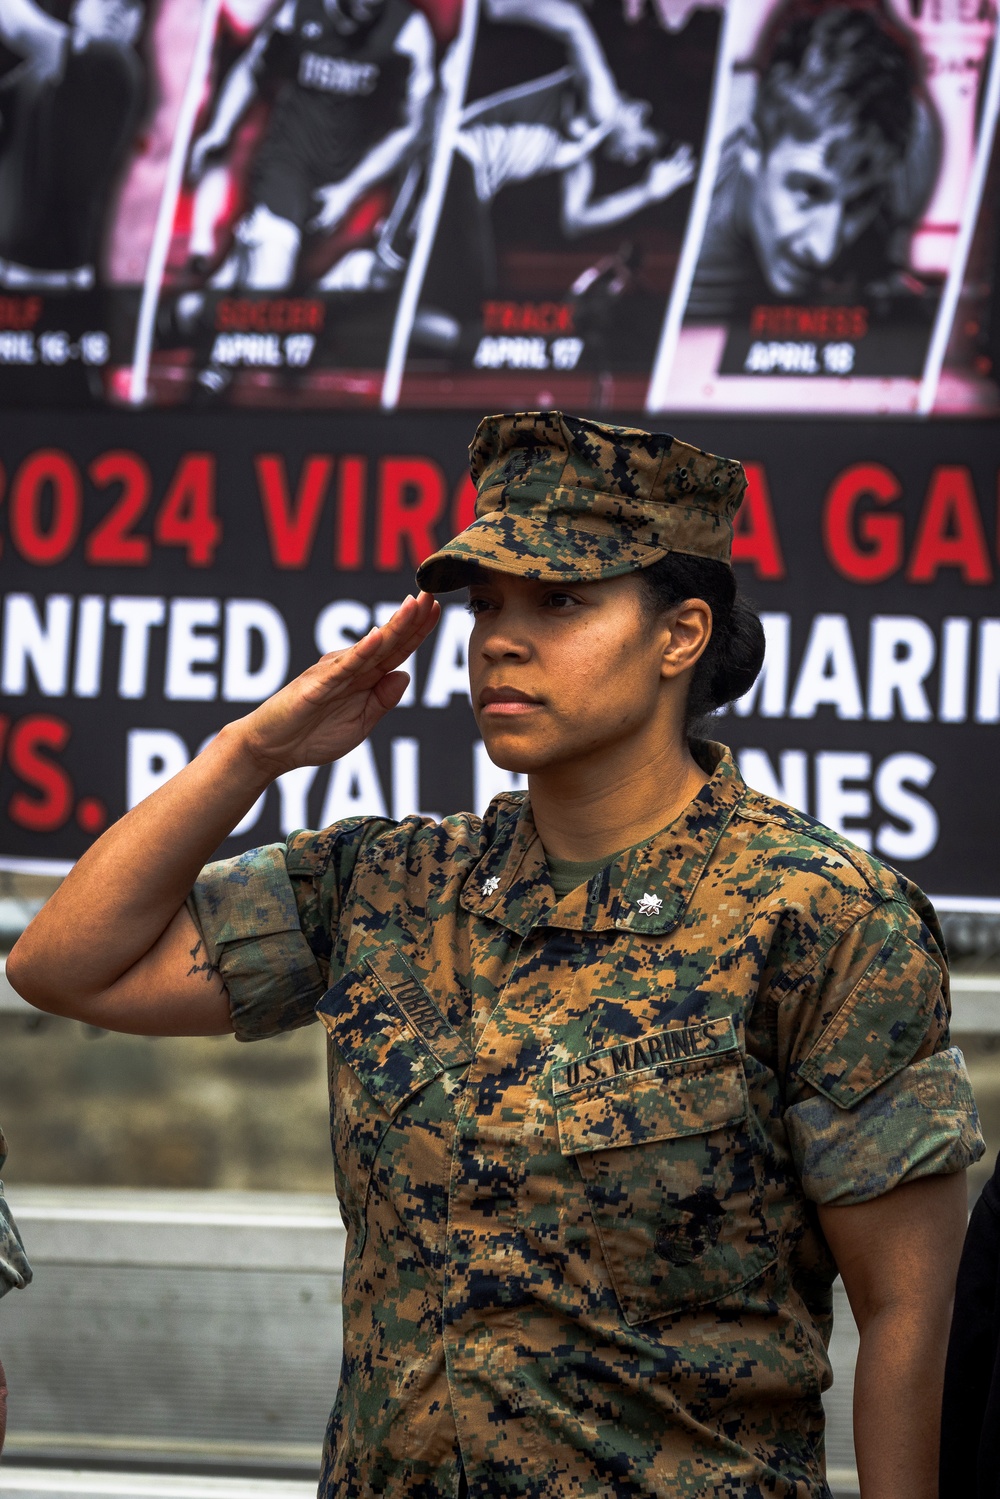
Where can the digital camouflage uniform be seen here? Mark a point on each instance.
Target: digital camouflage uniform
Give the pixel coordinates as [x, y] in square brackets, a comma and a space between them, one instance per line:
[579, 1144]
[15, 1272]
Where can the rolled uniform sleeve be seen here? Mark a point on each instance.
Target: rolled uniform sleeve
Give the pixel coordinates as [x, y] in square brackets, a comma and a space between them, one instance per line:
[877, 1095]
[266, 917]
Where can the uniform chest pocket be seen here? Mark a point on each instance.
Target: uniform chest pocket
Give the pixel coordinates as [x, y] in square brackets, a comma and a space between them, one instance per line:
[661, 1133]
[390, 1042]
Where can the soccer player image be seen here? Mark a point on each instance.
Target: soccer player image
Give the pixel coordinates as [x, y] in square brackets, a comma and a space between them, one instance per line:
[817, 193]
[353, 81]
[70, 99]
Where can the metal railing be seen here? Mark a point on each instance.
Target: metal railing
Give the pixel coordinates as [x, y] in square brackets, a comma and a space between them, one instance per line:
[200, 1330]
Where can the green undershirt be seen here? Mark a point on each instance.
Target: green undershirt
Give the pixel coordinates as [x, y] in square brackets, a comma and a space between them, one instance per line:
[567, 874]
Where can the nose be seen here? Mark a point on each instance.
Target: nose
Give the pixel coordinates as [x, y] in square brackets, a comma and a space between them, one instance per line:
[499, 639]
[822, 238]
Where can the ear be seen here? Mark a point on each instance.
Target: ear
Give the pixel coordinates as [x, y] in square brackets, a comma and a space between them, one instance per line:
[686, 636]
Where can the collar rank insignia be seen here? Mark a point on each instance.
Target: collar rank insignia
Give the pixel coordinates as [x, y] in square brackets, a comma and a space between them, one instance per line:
[491, 885]
[650, 905]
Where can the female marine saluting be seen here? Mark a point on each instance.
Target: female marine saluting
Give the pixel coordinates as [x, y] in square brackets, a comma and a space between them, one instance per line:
[621, 1073]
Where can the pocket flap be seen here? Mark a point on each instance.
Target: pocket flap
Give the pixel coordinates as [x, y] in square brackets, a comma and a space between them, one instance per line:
[410, 997]
[680, 1081]
[370, 1014]
[880, 1025]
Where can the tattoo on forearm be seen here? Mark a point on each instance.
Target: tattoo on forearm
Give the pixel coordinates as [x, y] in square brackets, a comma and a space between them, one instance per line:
[206, 966]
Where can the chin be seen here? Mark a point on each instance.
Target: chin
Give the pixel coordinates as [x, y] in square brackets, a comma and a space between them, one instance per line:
[514, 757]
[510, 753]
[786, 281]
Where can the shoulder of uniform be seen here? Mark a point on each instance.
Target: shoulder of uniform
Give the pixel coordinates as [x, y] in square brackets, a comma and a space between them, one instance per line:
[799, 842]
[310, 852]
[376, 848]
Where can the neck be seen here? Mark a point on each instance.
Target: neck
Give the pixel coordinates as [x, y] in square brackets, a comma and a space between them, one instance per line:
[595, 807]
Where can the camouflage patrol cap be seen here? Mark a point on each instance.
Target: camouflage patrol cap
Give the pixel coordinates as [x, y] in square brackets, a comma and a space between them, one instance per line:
[565, 498]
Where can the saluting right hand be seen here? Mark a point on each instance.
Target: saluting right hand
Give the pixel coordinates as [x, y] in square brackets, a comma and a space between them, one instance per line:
[335, 704]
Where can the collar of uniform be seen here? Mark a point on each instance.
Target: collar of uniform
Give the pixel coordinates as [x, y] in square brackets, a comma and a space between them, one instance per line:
[656, 881]
[646, 889]
[511, 881]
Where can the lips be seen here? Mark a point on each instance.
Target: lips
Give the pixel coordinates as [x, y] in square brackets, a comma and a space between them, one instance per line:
[505, 695]
[506, 700]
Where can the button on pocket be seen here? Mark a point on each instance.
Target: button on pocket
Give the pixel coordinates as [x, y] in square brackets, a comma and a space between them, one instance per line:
[660, 1130]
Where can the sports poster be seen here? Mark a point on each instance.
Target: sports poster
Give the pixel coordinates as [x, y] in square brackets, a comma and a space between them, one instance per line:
[570, 173]
[828, 251]
[609, 205]
[969, 382]
[293, 218]
[90, 95]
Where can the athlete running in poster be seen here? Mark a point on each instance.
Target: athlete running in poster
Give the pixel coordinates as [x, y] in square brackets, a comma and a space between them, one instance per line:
[558, 123]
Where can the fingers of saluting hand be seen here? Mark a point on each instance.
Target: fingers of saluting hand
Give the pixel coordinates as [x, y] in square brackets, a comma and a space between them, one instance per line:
[383, 649]
[399, 637]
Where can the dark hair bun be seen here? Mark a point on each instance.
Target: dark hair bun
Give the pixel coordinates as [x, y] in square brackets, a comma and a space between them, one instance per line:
[734, 656]
[735, 664]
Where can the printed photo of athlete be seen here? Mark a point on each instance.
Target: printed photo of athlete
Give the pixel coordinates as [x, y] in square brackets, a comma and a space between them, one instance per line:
[71, 92]
[566, 193]
[839, 209]
[352, 80]
[818, 191]
[558, 123]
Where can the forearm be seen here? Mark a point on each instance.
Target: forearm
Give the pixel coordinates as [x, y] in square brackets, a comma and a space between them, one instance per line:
[115, 945]
[127, 888]
[897, 1401]
[239, 89]
[579, 217]
[898, 1255]
[380, 161]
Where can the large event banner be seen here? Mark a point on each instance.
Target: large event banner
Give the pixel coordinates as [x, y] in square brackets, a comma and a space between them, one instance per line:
[162, 573]
[683, 205]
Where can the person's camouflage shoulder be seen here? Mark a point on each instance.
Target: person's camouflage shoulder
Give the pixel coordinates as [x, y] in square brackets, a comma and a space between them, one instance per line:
[583, 1132]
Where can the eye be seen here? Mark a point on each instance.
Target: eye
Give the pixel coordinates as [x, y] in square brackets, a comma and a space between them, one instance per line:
[810, 192]
[478, 606]
[560, 601]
